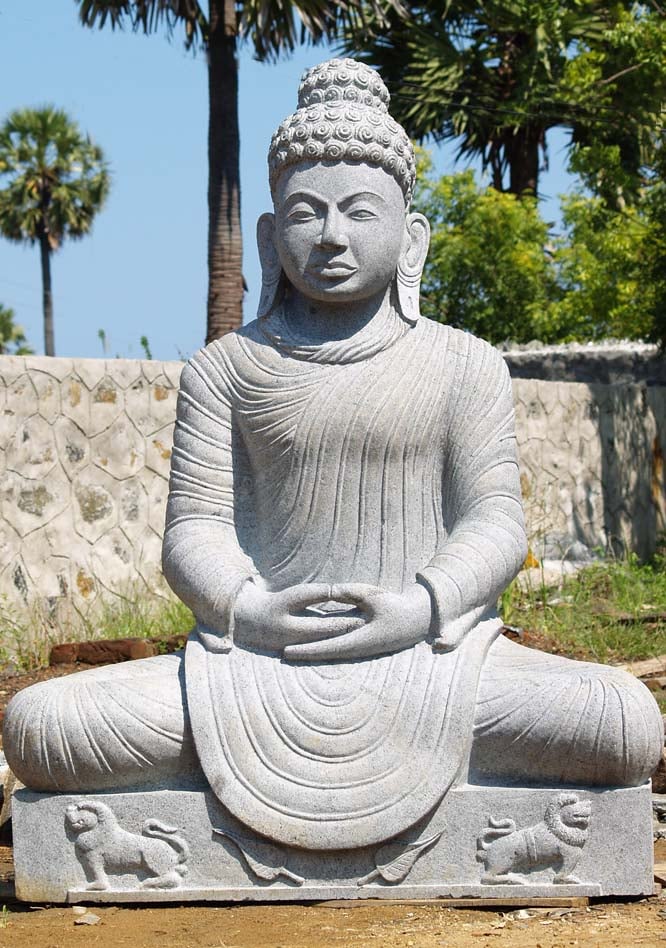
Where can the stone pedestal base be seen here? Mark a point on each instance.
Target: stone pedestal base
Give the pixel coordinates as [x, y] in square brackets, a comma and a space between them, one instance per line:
[182, 845]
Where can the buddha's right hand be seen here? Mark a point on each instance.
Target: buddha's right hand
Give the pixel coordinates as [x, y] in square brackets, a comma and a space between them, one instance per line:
[273, 620]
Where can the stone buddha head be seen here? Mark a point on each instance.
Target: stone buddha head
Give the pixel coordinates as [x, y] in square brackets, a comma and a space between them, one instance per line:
[342, 173]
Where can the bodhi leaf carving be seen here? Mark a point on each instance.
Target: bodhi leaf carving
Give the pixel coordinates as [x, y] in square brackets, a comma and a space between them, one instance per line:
[264, 859]
[395, 860]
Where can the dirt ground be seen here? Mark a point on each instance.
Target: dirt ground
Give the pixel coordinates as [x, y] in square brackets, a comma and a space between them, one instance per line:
[299, 926]
[431, 925]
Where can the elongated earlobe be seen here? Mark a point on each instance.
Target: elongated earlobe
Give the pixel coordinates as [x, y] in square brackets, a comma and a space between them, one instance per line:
[410, 266]
[271, 268]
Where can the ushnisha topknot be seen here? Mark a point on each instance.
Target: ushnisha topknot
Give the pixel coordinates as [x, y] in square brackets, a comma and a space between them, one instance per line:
[343, 115]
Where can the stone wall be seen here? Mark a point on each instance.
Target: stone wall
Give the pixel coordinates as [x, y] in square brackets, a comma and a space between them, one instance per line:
[84, 463]
[84, 460]
[597, 363]
[592, 466]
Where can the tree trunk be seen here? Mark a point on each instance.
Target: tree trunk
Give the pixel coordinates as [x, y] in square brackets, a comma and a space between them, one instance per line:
[47, 298]
[522, 151]
[225, 248]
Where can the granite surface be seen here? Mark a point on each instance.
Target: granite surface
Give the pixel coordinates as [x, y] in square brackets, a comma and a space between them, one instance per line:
[439, 858]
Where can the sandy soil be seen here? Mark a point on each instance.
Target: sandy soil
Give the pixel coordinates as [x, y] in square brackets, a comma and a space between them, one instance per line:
[297, 926]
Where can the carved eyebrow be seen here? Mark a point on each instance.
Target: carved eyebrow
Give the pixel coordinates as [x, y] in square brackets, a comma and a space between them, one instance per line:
[370, 196]
[309, 196]
[313, 197]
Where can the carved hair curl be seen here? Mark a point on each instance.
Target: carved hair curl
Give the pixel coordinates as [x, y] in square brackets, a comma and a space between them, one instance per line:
[343, 115]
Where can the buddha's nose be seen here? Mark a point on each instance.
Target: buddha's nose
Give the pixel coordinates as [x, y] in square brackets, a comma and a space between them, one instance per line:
[333, 232]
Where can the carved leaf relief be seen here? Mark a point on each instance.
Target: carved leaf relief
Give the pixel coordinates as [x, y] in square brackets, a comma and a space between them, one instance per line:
[265, 860]
[394, 861]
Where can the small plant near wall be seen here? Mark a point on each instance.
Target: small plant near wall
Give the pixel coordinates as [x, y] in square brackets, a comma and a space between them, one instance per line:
[145, 345]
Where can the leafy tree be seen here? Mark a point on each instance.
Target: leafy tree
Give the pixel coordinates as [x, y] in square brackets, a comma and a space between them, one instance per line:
[496, 76]
[612, 263]
[606, 292]
[53, 181]
[624, 77]
[272, 27]
[494, 270]
[654, 247]
[12, 336]
[487, 270]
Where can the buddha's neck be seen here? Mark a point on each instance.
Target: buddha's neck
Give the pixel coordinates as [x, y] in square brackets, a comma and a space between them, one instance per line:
[333, 321]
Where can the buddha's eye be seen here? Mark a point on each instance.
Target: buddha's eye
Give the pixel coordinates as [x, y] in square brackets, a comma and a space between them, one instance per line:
[301, 214]
[362, 214]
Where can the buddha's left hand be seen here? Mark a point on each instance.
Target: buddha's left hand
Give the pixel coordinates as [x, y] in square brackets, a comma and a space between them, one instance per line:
[393, 621]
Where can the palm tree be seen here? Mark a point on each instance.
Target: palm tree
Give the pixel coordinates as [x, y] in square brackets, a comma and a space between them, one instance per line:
[272, 27]
[496, 76]
[12, 336]
[53, 180]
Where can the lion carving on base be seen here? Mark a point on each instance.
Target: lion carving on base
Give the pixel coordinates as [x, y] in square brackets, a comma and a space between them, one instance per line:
[555, 843]
[103, 846]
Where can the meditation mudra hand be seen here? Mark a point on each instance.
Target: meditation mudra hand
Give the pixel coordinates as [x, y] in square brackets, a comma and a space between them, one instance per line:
[344, 512]
[279, 621]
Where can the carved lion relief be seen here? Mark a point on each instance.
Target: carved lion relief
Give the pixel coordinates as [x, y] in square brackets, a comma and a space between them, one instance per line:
[102, 846]
[555, 843]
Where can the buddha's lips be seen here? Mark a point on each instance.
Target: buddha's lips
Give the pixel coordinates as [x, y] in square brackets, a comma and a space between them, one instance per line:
[333, 270]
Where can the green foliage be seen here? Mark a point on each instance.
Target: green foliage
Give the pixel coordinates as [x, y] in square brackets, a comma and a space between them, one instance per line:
[53, 179]
[12, 336]
[621, 83]
[598, 614]
[27, 636]
[495, 76]
[487, 270]
[138, 615]
[612, 260]
[653, 247]
[606, 291]
[272, 27]
[101, 335]
[494, 270]
[145, 345]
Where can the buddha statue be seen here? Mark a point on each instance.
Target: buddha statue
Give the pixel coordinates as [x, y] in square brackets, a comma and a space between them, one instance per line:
[344, 512]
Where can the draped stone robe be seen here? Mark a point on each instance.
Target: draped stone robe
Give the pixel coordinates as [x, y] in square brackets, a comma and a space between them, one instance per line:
[378, 459]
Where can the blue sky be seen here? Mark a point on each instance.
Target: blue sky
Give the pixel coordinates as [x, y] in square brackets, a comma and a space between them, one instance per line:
[144, 100]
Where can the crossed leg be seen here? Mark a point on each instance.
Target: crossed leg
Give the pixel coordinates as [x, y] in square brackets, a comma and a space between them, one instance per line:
[540, 719]
[114, 727]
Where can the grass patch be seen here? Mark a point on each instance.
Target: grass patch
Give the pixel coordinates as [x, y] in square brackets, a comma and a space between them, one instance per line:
[26, 638]
[605, 613]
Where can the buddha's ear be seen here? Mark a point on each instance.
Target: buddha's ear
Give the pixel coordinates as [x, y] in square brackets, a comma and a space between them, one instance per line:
[410, 265]
[271, 268]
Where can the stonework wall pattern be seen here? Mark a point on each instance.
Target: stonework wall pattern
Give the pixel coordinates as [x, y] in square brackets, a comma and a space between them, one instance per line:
[592, 466]
[85, 447]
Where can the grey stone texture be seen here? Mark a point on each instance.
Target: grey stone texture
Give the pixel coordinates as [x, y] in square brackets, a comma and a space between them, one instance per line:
[85, 447]
[607, 363]
[592, 466]
[182, 845]
[344, 511]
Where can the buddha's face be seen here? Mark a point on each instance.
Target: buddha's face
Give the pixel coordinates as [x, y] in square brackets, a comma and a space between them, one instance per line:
[340, 229]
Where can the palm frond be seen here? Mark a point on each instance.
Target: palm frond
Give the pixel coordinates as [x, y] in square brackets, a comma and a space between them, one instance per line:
[53, 178]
